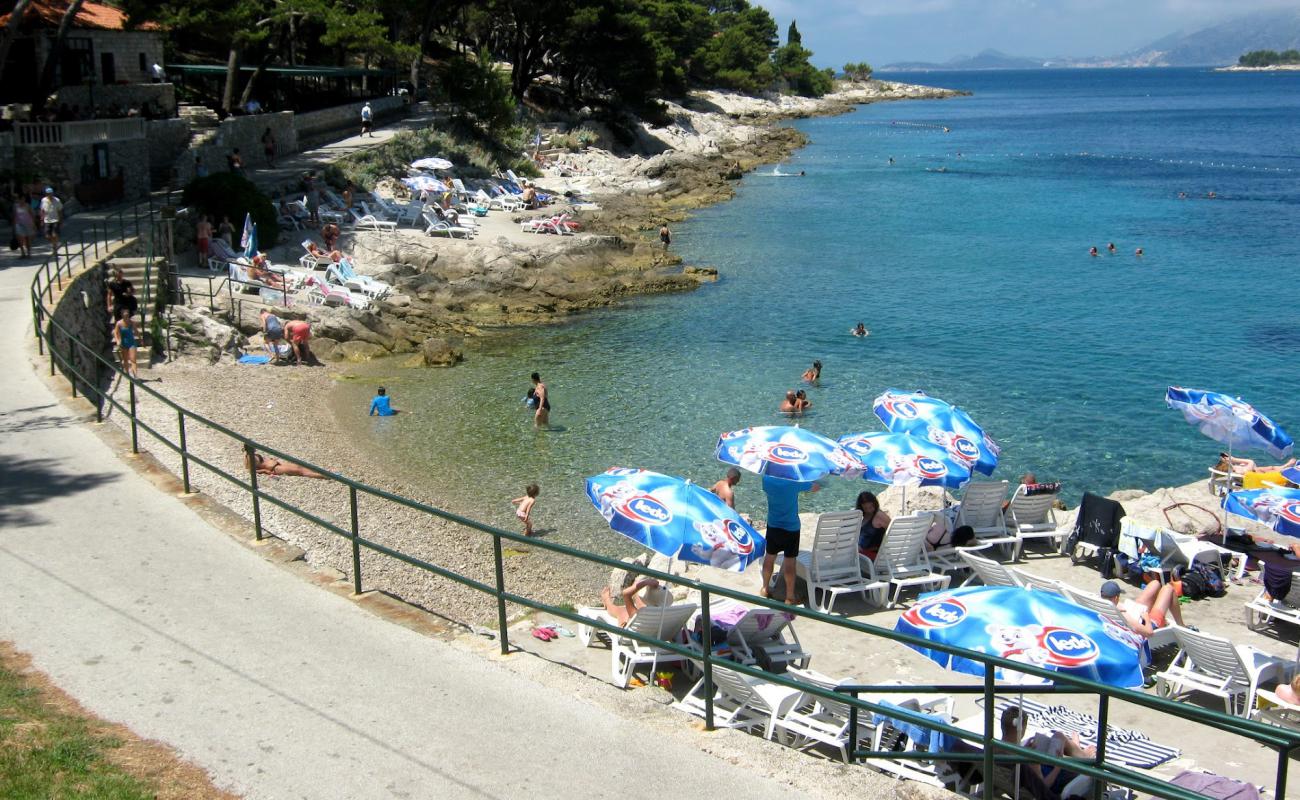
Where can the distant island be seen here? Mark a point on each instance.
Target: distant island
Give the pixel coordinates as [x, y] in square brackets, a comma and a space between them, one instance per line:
[1276, 31]
[1262, 60]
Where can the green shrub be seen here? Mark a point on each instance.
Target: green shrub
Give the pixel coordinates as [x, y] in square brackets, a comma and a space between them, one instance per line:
[586, 137]
[226, 194]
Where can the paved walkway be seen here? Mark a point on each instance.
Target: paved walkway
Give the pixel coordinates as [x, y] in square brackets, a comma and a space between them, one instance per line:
[152, 618]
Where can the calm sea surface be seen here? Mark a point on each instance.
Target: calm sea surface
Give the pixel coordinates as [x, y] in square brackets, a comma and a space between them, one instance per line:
[975, 282]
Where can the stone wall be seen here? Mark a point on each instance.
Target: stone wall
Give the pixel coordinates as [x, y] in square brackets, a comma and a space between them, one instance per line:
[315, 125]
[81, 312]
[169, 142]
[162, 96]
[6, 152]
[62, 166]
[244, 133]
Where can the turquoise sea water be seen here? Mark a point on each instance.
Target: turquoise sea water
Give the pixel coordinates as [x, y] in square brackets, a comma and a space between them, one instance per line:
[975, 282]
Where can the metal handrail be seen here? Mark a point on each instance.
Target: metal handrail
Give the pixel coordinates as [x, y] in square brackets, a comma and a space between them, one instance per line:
[1283, 740]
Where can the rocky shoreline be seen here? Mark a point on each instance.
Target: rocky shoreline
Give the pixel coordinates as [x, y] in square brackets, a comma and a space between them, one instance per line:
[452, 288]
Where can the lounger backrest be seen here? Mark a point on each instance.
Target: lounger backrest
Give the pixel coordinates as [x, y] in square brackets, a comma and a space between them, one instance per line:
[904, 544]
[1036, 582]
[734, 685]
[1030, 509]
[1212, 656]
[662, 622]
[835, 545]
[981, 505]
[1095, 603]
[837, 709]
[990, 572]
[761, 625]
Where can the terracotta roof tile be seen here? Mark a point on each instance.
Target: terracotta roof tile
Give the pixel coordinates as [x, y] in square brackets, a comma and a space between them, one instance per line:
[47, 13]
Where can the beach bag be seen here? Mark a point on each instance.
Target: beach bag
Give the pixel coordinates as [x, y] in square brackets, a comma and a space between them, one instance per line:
[1194, 585]
[1211, 577]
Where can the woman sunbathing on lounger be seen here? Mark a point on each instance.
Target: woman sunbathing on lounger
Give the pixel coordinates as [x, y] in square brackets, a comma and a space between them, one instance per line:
[257, 271]
[274, 466]
[1240, 466]
[318, 252]
[654, 595]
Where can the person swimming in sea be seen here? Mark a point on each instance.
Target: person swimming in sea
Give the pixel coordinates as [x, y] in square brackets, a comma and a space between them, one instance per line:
[1092, 251]
[1138, 252]
[891, 161]
[1110, 248]
[813, 373]
[860, 330]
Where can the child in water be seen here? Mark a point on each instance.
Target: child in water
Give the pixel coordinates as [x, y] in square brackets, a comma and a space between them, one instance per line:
[524, 507]
[381, 404]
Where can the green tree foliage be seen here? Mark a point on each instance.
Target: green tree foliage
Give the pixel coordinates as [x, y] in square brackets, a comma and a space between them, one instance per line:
[480, 91]
[225, 194]
[795, 70]
[859, 71]
[1269, 58]
[792, 35]
[739, 54]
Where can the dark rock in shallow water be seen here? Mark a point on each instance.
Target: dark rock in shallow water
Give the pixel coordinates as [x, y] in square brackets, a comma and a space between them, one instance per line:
[440, 353]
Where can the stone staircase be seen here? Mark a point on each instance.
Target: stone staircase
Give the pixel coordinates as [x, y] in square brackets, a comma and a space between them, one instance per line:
[133, 269]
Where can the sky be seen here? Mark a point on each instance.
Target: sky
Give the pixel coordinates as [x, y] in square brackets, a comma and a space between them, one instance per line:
[886, 31]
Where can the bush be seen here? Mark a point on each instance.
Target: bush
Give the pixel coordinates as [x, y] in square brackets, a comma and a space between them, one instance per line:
[226, 194]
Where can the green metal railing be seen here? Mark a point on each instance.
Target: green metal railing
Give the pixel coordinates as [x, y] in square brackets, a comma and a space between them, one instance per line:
[985, 747]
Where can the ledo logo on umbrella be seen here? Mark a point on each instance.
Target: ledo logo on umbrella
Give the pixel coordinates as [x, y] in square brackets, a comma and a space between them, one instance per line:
[956, 444]
[644, 508]
[1067, 648]
[781, 453]
[738, 539]
[942, 613]
[926, 467]
[900, 406]
[860, 445]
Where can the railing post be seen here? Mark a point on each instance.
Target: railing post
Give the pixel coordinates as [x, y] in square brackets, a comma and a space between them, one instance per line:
[1283, 757]
[135, 433]
[706, 639]
[501, 588]
[250, 456]
[356, 545]
[185, 454]
[37, 314]
[989, 739]
[1103, 713]
[853, 729]
[70, 361]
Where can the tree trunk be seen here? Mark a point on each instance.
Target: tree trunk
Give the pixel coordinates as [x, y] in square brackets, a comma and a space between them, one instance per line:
[56, 52]
[232, 75]
[426, 30]
[11, 31]
[268, 52]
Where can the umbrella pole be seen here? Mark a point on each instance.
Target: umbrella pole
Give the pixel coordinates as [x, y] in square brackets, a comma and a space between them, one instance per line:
[1227, 490]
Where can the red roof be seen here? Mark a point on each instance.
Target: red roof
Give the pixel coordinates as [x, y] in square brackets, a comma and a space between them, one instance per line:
[48, 13]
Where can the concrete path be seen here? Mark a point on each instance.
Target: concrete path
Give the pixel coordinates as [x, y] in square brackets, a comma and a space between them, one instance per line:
[152, 618]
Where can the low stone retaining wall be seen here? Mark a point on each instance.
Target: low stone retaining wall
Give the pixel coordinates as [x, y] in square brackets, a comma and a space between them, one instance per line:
[317, 124]
[81, 312]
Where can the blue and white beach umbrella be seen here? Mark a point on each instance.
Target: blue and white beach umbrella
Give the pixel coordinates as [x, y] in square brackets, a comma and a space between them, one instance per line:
[248, 239]
[431, 163]
[941, 423]
[1031, 627]
[424, 183]
[1279, 509]
[1229, 421]
[787, 452]
[900, 459]
[675, 518]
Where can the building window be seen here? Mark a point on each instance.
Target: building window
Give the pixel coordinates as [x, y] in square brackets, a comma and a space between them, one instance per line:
[144, 64]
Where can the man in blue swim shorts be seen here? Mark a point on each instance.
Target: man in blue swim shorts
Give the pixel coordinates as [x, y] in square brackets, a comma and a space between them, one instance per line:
[783, 531]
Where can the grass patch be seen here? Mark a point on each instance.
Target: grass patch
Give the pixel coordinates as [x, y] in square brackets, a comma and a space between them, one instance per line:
[46, 753]
[51, 748]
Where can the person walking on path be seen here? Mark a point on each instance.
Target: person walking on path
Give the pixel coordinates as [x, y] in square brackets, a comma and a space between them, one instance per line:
[524, 507]
[366, 118]
[52, 216]
[124, 336]
[24, 226]
[540, 401]
[724, 488]
[783, 532]
[313, 199]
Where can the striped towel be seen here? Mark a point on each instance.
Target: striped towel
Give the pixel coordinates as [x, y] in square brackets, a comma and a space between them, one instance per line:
[1130, 748]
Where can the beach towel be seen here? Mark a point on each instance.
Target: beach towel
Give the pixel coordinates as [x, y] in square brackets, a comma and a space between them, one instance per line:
[1130, 748]
[251, 359]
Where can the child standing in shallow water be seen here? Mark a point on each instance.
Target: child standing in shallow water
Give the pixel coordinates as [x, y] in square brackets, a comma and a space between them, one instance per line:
[524, 507]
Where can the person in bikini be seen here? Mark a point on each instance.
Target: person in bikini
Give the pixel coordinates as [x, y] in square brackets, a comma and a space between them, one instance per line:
[274, 466]
[654, 594]
[524, 507]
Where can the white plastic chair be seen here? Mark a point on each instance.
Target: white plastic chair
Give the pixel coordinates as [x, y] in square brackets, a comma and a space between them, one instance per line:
[370, 222]
[831, 568]
[436, 225]
[981, 509]
[1031, 517]
[901, 560]
[989, 572]
[1028, 580]
[763, 630]
[626, 654]
[1163, 637]
[1216, 666]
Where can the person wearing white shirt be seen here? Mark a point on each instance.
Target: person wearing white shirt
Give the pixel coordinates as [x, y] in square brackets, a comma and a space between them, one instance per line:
[52, 216]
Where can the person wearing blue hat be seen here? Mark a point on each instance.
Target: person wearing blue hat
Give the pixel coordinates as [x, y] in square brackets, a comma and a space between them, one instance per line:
[1150, 611]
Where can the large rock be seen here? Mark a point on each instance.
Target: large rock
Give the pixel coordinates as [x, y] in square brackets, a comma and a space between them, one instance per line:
[361, 351]
[326, 349]
[197, 326]
[440, 353]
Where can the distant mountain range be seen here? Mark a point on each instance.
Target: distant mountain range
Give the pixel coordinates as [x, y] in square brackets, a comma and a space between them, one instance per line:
[1216, 45]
